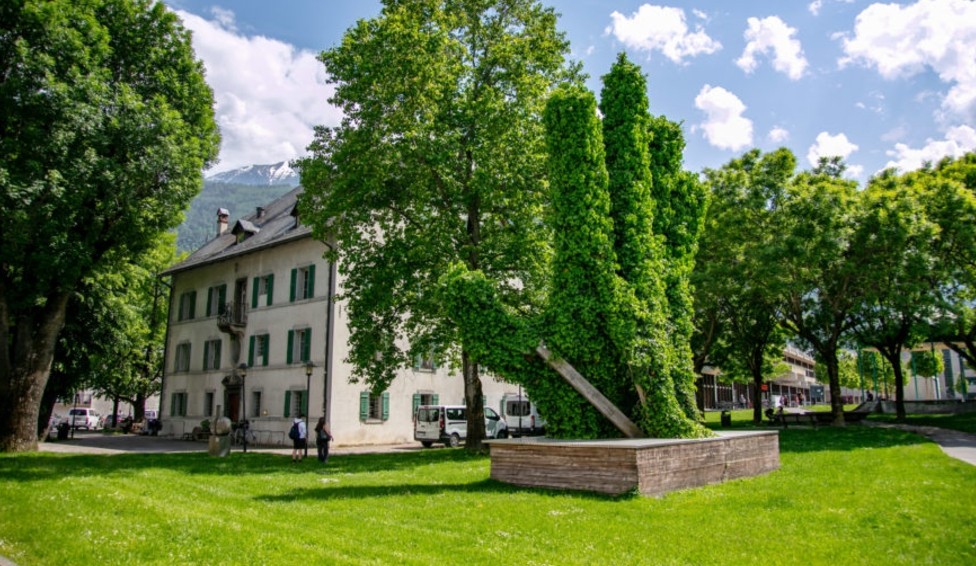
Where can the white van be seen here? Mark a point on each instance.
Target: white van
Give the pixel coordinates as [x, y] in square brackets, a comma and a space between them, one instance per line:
[83, 418]
[521, 415]
[449, 424]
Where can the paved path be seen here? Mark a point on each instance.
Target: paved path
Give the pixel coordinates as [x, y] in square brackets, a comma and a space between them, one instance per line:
[959, 445]
[99, 443]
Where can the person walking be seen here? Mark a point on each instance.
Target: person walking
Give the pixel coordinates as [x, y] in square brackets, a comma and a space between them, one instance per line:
[298, 444]
[322, 438]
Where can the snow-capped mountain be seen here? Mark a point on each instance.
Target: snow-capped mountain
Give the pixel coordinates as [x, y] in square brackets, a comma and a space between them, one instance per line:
[275, 174]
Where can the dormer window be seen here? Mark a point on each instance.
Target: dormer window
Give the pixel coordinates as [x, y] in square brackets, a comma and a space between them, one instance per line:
[244, 230]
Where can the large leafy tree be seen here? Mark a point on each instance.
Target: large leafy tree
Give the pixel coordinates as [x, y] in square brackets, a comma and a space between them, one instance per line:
[107, 125]
[439, 158]
[817, 282]
[735, 265]
[894, 245]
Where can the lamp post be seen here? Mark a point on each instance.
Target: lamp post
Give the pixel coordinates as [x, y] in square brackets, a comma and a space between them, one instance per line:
[309, 367]
[242, 370]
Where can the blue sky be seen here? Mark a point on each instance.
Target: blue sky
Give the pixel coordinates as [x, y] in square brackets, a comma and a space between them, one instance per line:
[879, 84]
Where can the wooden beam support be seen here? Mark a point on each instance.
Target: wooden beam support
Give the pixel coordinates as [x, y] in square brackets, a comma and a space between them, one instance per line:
[591, 394]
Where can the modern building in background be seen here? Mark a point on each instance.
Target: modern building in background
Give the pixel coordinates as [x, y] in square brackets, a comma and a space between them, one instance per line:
[261, 295]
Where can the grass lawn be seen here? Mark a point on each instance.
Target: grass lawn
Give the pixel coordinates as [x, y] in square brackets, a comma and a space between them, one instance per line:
[843, 496]
[965, 422]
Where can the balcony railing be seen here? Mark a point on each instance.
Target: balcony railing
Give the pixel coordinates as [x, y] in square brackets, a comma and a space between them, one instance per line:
[233, 316]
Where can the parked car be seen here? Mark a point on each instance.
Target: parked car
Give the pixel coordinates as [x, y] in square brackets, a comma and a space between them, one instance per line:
[105, 421]
[83, 418]
[52, 425]
[521, 415]
[449, 424]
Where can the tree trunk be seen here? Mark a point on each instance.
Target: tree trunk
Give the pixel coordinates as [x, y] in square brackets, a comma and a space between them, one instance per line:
[474, 400]
[833, 376]
[28, 360]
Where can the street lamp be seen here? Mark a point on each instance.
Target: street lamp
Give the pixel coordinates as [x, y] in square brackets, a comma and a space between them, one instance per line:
[309, 367]
[242, 370]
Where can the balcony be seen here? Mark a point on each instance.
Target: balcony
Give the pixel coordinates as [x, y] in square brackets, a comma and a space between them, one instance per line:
[233, 318]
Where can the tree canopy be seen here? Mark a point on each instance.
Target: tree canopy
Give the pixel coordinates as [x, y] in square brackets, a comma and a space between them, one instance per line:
[108, 124]
[439, 159]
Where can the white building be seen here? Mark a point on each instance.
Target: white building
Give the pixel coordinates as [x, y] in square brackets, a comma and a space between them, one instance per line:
[261, 294]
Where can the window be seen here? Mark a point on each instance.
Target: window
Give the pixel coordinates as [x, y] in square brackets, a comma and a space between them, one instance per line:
[258, 351]
[423, 399]
[182, 357]
[177, 407]
[263, 291]
[256, 403]
[296, 403]
[208, 404]
[302, 283]
[374, 407]
[425, 362]
[299, 345]
[211, 354]
[216, 300]
[188, 306]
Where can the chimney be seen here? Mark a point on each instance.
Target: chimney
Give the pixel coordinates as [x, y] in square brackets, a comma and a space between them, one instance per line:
[222, 215]
[260, 212]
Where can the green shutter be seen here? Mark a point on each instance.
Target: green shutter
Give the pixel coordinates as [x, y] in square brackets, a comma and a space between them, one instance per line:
[183, 298]
[294, 278]
[193, 304]
[364, 405]
[416, 403]
[307, 345]
[416, 362]
[437, 399]
[291, 344]
[305, 402]
[222, 299]
[219, 344]
[250, 353]
[206, 354]
[270, 288]
[172, 404]
[267, 346]
[287, 412]
[386, 405]
[254, 293]
[209, 301]
[310, 282]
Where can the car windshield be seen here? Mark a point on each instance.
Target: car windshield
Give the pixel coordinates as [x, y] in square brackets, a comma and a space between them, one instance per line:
[76, 412]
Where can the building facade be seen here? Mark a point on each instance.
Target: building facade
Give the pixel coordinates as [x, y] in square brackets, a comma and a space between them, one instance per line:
[260, 295]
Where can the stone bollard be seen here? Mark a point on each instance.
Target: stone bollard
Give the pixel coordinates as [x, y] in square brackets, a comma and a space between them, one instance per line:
[219, 442]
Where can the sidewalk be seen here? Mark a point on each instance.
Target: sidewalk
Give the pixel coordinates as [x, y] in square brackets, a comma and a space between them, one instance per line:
[958, 445]
[99, 443]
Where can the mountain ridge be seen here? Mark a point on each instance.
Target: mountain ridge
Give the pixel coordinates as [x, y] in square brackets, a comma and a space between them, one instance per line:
[280, 173]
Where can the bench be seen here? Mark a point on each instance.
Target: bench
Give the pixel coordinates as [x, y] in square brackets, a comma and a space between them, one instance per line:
[784, 418]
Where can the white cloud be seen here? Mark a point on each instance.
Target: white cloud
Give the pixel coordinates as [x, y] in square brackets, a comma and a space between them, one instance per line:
[268, 94]
[827, 145]
[815, 6]
[725, 126]
[778, 135]
[661, 28]
[773, 34]
[958, 140]
[901, 41]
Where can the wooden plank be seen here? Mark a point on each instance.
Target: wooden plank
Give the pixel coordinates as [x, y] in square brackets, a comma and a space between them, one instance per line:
[591, 394]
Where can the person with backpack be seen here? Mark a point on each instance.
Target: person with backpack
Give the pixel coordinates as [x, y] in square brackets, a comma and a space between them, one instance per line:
[322, 438]
[298, 435]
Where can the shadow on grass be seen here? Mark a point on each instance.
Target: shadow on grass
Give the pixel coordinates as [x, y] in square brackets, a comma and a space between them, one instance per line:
[50, 466]
[486, 486]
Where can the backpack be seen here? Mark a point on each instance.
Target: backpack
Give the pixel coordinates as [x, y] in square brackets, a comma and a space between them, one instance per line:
[293, 433]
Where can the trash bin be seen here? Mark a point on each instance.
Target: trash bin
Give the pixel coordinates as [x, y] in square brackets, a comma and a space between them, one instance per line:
[726, 418]
[63, 429]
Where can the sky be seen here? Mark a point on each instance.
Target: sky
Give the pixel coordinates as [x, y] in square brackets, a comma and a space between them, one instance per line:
[879, 84]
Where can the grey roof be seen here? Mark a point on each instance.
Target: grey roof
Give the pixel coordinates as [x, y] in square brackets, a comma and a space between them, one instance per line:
[276, 226]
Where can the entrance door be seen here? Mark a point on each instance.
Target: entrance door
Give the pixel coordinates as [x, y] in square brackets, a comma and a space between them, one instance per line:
[240, 300]
[233, 404]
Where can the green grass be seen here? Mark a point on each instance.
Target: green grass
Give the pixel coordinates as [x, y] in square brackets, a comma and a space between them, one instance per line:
[965, 422]
[842, 496]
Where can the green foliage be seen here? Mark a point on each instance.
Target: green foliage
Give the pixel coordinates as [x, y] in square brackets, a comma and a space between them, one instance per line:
[927, 363]
[439, 159]
[108, 123]
[734, 270]
[586, 305]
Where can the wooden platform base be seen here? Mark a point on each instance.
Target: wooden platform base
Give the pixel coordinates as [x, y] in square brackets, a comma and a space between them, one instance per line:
[651, 466]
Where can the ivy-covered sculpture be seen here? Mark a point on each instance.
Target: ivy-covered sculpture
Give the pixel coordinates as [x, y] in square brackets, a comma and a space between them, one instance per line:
[607, 313]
